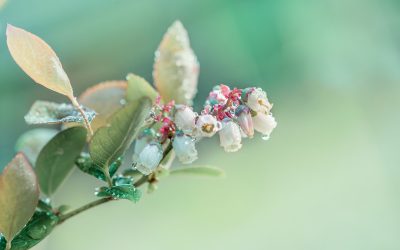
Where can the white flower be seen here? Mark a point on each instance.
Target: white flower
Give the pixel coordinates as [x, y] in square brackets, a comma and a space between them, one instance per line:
[149, 158]
[185, 150]
[257, 100]
[246, 123]
[264, 123]
[207, 125]
[145, 137]
[185, 118]
[230, 136]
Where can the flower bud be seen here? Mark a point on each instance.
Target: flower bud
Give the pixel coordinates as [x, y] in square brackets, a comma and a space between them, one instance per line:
[257, 100]
[246, 123]
[207, 125]
[149, 158]
[185, 118]
[264, 124]
[185, 150]
[230, 136]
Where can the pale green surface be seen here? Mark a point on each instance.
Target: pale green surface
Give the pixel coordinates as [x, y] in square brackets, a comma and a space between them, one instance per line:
[327, 179]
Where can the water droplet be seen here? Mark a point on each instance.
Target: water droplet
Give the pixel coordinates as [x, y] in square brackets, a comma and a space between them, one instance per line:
[265, 137]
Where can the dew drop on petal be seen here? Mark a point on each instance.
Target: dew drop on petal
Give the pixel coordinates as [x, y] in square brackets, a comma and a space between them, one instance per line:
[265, 137]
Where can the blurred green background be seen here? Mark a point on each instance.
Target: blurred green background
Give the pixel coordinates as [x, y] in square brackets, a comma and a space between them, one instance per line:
[327, 179]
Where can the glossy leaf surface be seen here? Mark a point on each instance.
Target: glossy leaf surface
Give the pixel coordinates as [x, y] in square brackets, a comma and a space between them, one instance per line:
[57, 158]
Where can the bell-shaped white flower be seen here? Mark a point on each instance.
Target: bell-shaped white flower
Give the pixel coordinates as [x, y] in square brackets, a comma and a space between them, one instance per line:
[185, 150]
[264, 124]
[246, 123]
[207, 125]
[230, 136]
[185, 118]
[145, 137]
[149, 158]
[257, 100]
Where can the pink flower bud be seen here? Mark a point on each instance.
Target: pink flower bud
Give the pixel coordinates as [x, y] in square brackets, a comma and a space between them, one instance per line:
[230, 136]
[246, 123]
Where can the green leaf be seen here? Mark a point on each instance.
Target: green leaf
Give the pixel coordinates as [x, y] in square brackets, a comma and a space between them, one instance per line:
[32, 141]
[122, 180]
[124, 191]
[109, 143]
[40, 225]
[43, 112]
[199, 171]
[57, 158]
[38, 60]
[105, 98]
[19, 195]
[85, 163]
[176, 68]
[138, 87]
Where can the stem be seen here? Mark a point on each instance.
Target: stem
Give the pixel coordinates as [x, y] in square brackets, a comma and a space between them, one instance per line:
[95, 203]
[8, 245]
[138, 183]
[83, 208]
[80, 109]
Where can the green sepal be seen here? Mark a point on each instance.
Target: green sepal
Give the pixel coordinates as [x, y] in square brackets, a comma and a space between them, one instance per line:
[41, 224]
[125, 191]
[86, 164]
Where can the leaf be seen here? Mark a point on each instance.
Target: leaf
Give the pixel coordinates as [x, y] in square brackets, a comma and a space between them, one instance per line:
[43, 112]
[32, 141]
[122, 180]
[38, 60]
[138, 87]
[105, 98]
[124, 191]
[176, 68]
[40, 225]
[109, 143]
[85, 163]
[57, 158]
[200, 171]
[19, 195]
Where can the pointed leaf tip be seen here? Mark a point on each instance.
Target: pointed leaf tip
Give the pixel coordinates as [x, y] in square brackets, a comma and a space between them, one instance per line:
[38, 60]
[176, 68]
[19, 195]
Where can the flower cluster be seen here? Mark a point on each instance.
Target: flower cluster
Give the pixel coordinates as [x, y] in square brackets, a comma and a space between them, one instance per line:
[232, 113]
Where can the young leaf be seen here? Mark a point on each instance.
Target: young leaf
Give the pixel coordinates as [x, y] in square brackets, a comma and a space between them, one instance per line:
[176, 68]
[40, 225]
[38, 60]
[200, 171]
[109, 143]
[19, 195]
[124, 191]
[43, 112]
[57, 158]
[138, 87]
[85, 163]
[105, 98]
[32, 141]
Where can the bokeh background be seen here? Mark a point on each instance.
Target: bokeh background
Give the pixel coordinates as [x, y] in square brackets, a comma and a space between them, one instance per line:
[327, 179]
